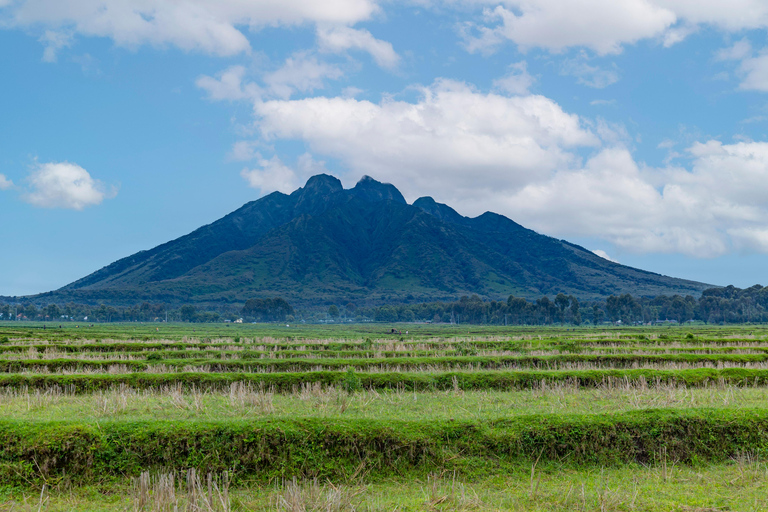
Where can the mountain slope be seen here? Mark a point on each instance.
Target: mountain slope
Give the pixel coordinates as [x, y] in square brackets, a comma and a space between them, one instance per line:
[366, 244]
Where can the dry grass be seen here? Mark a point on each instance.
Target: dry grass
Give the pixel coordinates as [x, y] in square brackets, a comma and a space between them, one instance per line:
[165, 492]
[249, 398]
[311, 496]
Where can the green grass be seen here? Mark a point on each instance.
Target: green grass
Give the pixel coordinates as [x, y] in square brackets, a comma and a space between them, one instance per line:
[264, 449]
[248, 402]
[434, 419]
[418, 381]
[737, 485]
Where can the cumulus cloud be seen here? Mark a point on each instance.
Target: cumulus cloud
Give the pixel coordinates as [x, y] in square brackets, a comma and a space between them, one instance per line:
[752, 68]
[444, 141]
[211, 26]
[5, 183]
[601, 25]
[228, 85]
[339, 39]
[301, 72]
[64, 185]
[517, 81]
[522, 156]
[717, 205]
[755, 73]
[605, 26]
[272, 174]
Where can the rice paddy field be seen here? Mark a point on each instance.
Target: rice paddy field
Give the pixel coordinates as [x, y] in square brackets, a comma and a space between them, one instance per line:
[407, 417]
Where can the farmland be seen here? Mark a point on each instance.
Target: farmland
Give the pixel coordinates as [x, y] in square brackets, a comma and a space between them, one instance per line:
[382, 417]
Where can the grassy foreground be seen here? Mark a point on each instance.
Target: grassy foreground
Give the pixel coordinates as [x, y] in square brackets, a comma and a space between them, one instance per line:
[84, 452]
[736, 485]
[214, 418]
[245, 402]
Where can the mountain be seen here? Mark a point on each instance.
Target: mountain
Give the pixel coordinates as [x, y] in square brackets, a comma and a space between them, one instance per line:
[324, 243]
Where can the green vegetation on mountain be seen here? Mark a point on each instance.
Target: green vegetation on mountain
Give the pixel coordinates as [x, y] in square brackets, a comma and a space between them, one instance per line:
[324, 244]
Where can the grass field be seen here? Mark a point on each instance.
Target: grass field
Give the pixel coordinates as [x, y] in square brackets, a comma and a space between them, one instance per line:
[356, 417]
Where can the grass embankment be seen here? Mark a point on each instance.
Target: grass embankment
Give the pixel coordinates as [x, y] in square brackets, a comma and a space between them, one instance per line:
[241, 401]
[394, 349]
[418, 381]
[554, 362]
[264, 449]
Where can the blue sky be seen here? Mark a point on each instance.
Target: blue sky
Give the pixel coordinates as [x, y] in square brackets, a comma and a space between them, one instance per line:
[636, 128]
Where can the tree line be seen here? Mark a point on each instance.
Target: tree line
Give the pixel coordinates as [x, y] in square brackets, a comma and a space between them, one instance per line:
[715, 306]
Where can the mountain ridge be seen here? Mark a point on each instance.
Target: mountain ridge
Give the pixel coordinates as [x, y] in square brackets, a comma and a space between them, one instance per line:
[323, 243]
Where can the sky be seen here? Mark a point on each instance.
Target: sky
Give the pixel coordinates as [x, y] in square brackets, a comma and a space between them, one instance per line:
[635, 128]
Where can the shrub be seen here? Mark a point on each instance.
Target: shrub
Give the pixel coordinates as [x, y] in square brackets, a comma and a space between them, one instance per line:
[465, 349]
[352, 382]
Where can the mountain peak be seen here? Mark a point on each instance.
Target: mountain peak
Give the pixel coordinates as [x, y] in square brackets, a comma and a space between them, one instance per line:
[439, 210]
[314, 197]
[322, 184]
[371, 190]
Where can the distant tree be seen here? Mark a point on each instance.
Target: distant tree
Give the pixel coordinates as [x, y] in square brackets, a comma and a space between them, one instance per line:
[31, 312]
[561, 301]
[52, 311]
[597, 314]
[333, 310]
[187, 313]
[574, 312]
[267, 309]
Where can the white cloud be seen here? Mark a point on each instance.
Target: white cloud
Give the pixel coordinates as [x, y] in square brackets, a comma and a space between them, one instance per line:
[210, 26]
[738, 51]
[5, 183]
[732, 16]
[605, 26]
[452, 135]
[715, 206]
[752, 69]
[517, 81]
[339, 39]
[64, 185]
[678, 34]
[228, 85]
[301, 72]
[54, 41]
[520, 156]
[604, 255]
[591, 76]
[755, 73]
[272, 174]
[601, 25]
[243, 150]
